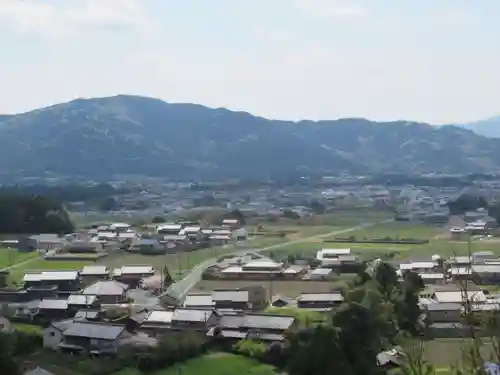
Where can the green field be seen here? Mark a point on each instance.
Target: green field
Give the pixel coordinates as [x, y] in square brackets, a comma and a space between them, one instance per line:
[213, 364]
[397, 230]
[9, 257]
[219, 364]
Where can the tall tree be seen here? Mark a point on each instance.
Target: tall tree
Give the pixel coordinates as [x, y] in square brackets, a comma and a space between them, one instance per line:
[387, 278]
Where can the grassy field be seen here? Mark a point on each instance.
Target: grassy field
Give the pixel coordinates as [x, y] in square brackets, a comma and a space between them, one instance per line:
[290, 289]
[397, 230]
[9, 257]
[219, 364]
[213, 364]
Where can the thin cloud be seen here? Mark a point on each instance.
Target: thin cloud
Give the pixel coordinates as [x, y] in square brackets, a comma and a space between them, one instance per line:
[52, 20]
[330, 8]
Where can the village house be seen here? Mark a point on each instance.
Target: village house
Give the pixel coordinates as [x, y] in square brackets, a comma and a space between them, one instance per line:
[199, 301]
[433, 278]
[249, 298]
[454, 293]
[193, 233]
[78, 302]
[83, 247]
[169, 229]
[87, 336]
[265, 327]
[64, 280]
[232, 299]
[321, 274]
[194, 319]
[76, 336]
[119, 227]
[346, 263]
[255, 270]
[331, 253]
[418, 267]
[240, 234]
[133, 274]
[95, 273]
[53, 334]
[108, 292]
[230, 223]
[459, 261]
[148, 246]
[45, 242]
[219, 239]
[106, 236]
[157, 321]
[175, 243]
[443, 312]
[486, 273]
[53, 309]
[24, 311]
[319, 301]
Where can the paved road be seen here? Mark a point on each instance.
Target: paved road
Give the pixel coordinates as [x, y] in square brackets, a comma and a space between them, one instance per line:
[181, 288]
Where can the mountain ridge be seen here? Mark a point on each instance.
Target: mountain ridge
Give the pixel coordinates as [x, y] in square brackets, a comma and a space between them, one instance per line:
[128, 134]
[488, 128]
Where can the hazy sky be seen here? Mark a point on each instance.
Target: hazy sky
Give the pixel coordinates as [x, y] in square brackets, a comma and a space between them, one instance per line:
[427, 60]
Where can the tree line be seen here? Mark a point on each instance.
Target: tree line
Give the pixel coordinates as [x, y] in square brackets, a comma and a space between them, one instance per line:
[25, 214]
[64, 193]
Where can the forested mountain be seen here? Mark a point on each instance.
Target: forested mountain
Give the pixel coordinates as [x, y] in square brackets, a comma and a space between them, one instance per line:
[138, 135]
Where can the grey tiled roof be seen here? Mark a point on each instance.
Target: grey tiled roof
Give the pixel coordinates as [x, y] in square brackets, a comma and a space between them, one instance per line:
[94, 331]
[81, 299]
[230, 295]
[257, 321]
[106, 288]
[53, 304]
[320, 297]
[198, 300]
[191, 315]
[95, 270]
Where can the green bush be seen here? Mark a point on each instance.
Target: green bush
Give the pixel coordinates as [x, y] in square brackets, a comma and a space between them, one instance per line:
[172, 349]
[251, 349]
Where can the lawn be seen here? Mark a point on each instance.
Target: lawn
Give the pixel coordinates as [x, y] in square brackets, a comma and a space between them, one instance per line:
[9, 257]
[219, 364]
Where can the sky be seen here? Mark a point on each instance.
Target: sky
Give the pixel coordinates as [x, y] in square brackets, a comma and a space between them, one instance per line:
[434, 61]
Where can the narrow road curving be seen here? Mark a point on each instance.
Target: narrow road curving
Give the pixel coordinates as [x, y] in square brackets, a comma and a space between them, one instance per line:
[182, 287]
